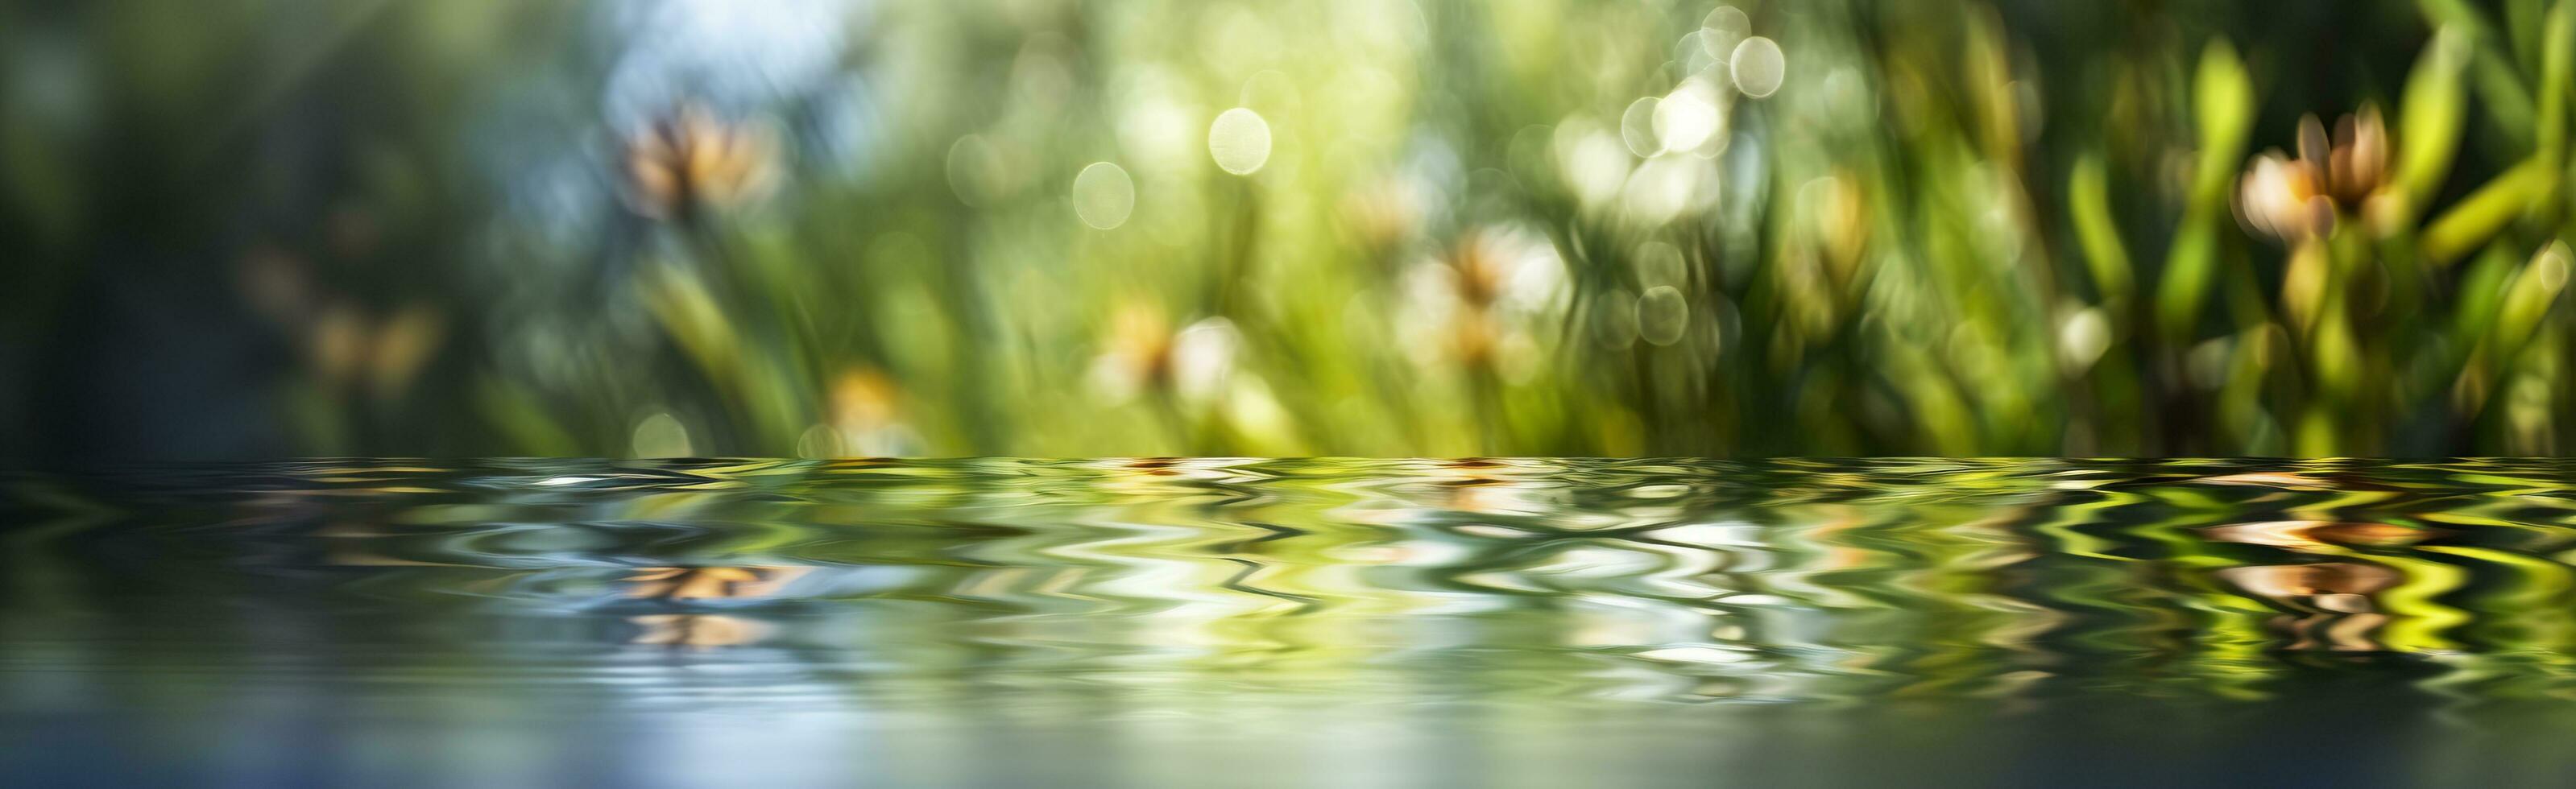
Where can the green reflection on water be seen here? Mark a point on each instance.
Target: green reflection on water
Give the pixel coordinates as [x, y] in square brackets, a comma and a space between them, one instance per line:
[1229, 602]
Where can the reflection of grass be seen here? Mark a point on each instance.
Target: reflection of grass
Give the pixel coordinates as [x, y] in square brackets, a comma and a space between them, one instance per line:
[1947, 230]
[1691, 581]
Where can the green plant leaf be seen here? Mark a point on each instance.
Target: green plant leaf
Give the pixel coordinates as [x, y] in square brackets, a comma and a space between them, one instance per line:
[2223, 106]
[2089, 200]
[2488, 210]
[2429, 122]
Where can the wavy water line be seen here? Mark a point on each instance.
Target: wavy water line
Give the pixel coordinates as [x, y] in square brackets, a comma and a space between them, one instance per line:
[1678, 580]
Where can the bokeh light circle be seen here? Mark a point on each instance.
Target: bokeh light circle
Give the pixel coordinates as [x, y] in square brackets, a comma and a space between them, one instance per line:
[1637, 127]
[1723, 29]
[1689, 118]
[1239, 140]
[1103, 195]
[1662, 315]
[1758, 66]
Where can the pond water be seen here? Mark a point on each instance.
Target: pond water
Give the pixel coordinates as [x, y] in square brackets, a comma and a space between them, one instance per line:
[1147, 622]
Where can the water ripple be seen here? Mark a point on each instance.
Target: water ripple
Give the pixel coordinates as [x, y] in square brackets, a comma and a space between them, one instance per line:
[1472, 581]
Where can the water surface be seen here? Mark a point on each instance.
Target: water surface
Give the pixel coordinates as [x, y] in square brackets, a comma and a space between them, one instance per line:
[1290, 623]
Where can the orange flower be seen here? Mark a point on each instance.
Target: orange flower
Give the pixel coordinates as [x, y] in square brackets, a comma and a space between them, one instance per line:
[703, 631]
[709, 583]
[690, 160]
[2297, 199]
[2357, 166]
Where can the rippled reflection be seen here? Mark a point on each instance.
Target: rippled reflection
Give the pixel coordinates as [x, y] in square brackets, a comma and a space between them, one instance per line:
[1143, 619]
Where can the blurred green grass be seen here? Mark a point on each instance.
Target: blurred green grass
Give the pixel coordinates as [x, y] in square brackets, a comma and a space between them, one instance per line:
[1439, 227]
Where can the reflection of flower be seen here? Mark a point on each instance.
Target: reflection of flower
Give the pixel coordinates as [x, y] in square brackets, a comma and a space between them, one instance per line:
[2293, 581]
[2312, 535]
[1487, 486]
[696, 630]
[1161, 476]
[2270, 479]
[704, 583]
[709, 583]
[2333, 598]
[690, 160]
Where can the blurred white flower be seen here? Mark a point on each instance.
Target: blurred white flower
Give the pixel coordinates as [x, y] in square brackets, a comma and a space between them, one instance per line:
[1476, 305]
[2284, 198]
[1592, 160]
[1203, 359]
[1692, 119]
[1192, 365]
[1667, 186]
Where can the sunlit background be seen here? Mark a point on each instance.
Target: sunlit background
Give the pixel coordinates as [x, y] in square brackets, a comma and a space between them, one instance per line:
[829, 228]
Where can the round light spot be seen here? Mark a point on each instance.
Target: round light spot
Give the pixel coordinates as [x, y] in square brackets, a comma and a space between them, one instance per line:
[1691, 55]
[1664, 187]
[1758, 66]
[2551, 266]
[1662, 315]
[1637, 128]
[1239, 140]
[1593, 161]
[1689, 118]
[1103, 195]
[1723, 28]
[662, 436]
[974, 170]
[819, 442]
[1659, 263]
[2082, 339]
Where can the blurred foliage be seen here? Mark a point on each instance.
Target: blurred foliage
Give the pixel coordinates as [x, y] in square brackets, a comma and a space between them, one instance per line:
[832, 227]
